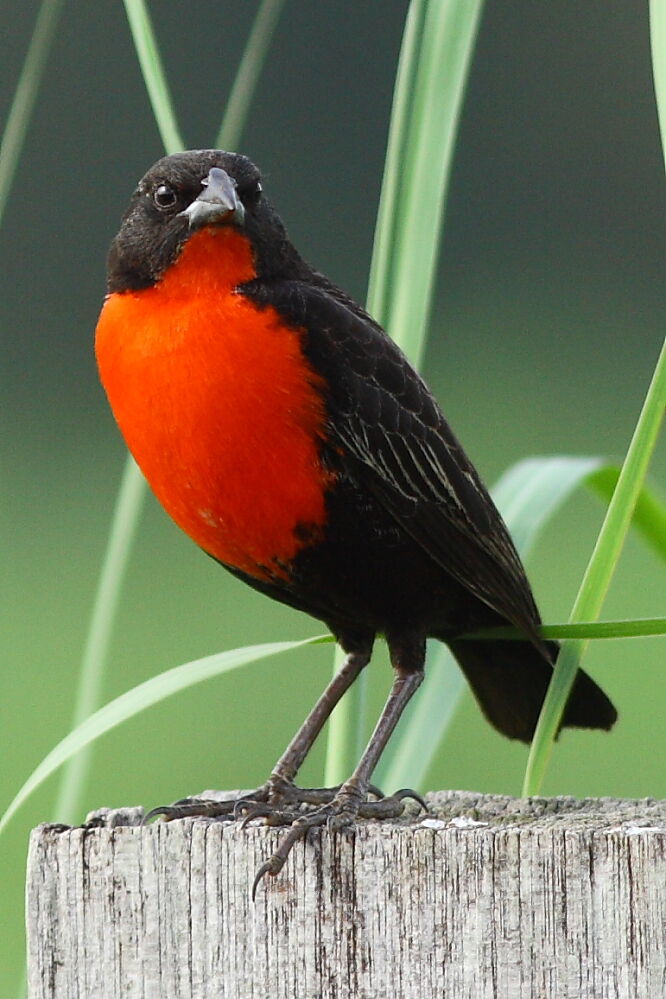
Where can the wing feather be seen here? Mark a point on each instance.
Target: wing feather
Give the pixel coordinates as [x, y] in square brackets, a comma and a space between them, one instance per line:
[393, 438]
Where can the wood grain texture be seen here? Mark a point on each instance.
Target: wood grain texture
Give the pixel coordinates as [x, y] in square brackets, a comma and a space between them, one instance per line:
[487, 898]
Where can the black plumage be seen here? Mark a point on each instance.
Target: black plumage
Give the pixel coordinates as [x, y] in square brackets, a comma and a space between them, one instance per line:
[414, 542]
[412, 545]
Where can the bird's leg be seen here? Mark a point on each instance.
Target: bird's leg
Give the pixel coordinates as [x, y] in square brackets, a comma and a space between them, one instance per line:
[291, 760]
[279, 791]
[349, 802]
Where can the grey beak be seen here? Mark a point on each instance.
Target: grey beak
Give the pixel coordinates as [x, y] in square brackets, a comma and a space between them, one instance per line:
[218, 202]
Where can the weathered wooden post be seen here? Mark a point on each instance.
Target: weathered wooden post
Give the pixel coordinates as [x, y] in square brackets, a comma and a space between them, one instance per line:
[486, 898]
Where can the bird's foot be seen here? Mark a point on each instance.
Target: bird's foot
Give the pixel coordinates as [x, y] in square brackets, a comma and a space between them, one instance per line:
[345, 805]
[278, 801]
[275, 792]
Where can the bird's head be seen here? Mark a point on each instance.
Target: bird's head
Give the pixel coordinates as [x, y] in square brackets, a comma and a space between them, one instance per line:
[184, 193]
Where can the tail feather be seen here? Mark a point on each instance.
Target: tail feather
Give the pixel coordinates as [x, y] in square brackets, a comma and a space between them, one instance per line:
[510, 679]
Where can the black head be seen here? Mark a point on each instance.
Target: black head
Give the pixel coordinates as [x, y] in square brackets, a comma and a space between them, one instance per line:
[178, 196]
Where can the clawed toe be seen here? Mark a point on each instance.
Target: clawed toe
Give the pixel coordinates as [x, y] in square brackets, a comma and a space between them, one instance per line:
[188, 807]
[299, 830]
[340, 812]
[272, 816]
[407, 793]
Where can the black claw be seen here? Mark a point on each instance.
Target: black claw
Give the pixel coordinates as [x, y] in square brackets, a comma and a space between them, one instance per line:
[268, 868]
[407, 792]
[241, 807]
[192, 807]
[165, 810]
[254, 810]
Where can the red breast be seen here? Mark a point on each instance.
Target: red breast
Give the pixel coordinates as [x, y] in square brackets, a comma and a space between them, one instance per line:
[218, 406]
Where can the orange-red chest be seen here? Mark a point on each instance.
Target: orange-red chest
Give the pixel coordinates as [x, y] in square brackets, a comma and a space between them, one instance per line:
[218, 406]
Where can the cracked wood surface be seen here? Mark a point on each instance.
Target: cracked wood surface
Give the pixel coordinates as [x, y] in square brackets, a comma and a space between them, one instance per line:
[486, 898]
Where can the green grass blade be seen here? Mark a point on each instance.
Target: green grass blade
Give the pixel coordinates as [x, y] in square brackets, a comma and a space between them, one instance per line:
[379, 283]
[448, 41]
[154, 76]
[144, 696]
[132, 490]
[599, 572]
[625, 497]
[434, 61]
[245, 83]
[641, 627]
[16, 129]
[649, 514]
[658, 47]
[22, 105]
[346, 727]
[530, 492]
[121, 538]
[540, 485]
[528, 496]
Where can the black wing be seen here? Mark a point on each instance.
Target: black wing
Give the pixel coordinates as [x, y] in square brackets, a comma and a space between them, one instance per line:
[393, 438]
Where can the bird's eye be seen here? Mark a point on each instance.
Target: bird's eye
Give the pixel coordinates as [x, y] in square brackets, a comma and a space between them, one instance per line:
[164, 196]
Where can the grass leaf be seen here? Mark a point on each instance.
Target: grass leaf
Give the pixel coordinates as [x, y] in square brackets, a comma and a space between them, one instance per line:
[528, 495]
[640, 627]
[154, 76]
[20, 112]
[132, 491]
[247, 75]
[434, 62]
[650, 512]
[144, 696]
[625, 497]
[598, 574]
[658, 48]
[446, 47]
[124, 525]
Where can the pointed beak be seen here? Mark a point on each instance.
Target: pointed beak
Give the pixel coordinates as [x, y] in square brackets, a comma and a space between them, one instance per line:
[218, 203]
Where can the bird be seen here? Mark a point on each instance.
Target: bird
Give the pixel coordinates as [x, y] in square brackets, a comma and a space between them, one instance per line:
[286, 433]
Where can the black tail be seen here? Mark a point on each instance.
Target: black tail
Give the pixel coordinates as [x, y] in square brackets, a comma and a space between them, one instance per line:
[509, 680]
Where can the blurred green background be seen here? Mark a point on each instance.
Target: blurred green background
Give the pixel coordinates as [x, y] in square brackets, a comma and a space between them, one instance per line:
[549, 317]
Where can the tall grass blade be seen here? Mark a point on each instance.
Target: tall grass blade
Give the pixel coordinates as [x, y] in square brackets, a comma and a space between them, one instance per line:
[611, 537]
[536, 487]
[346, 728]
[598, 574]
[528, 495]
[144, 696]
[132, 489]
[639, 627]
[434, 62]
[530, 492]
[22, 105]
[650, 511]
[16, 129]
[121, 538]
[447, 43]
[658, 48]
[154, 76]
[378, 300]
[247, 76]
